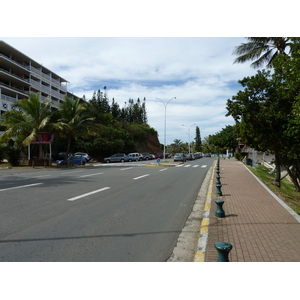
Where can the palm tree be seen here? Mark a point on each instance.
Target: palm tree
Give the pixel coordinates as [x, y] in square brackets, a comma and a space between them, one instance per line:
[73, 120]
[263, 50]
[34, 117]
[177, 145]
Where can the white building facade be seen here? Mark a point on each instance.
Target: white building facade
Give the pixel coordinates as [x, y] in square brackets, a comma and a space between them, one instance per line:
[19, 74]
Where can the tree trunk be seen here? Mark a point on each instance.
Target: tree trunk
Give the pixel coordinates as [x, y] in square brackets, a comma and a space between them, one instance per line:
[277, 170]
[294, 177]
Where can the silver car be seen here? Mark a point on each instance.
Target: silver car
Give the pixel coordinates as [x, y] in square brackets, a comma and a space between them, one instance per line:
[119, 157]
[180, 157]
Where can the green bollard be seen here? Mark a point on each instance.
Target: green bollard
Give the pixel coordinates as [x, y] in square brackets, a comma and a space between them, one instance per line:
[220, 213]
[218, 179]
[223, 249]
[218, 191]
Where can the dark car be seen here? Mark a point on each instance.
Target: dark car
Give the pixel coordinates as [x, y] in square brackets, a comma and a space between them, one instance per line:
[119, 157]
[190, 156]
[60, 156]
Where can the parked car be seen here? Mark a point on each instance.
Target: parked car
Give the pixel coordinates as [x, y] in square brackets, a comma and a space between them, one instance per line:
[73, 160]
[190, 156]
[60, 156]
[147, 156]
[136, 156]
[88, 158]
[119, 157]
[180, 157]
[159, 155]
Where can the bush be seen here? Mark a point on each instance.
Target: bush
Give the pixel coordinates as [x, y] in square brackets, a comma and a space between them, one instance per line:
[237, 156]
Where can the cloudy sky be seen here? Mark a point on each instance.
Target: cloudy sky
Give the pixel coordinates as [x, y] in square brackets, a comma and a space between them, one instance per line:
[198, 71]
[163, 50]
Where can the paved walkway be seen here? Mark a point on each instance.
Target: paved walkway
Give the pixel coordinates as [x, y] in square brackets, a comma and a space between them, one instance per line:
[259, 226]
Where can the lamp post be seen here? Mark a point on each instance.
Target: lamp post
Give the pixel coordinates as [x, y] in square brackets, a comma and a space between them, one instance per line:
[188, 128]
[165, 105]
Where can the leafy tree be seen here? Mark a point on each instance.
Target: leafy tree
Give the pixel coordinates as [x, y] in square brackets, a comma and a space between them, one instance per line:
[224, 139]
[34, 117]
[263, 113]
[73, 120]
[263, 50]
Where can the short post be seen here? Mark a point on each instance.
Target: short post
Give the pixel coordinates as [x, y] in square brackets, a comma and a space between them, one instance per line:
[218, 191]
[223, 249]
[218, 179]
[219, 213]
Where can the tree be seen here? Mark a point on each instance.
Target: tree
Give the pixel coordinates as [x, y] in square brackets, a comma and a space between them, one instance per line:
[74, 120]
[263, 50]
[177, 146]
[224, 139]
[198, 143]
[34, 117]
[263, 113]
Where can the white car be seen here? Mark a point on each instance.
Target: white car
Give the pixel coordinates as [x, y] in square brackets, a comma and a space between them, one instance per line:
[88, 158]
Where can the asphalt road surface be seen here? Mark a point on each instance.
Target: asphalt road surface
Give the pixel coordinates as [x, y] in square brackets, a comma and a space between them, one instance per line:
[125, 212]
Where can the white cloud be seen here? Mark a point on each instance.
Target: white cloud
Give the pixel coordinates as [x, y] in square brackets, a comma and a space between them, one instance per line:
[199, 72]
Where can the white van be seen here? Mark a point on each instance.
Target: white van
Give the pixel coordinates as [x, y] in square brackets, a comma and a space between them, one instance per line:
[136, 156]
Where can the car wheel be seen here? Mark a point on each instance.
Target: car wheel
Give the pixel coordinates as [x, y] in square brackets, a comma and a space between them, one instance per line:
[107, 161]
[122, 160]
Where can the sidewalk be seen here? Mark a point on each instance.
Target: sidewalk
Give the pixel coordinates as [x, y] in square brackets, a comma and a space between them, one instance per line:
[258, 225]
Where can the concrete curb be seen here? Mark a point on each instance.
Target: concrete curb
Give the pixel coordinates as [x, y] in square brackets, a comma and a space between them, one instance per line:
[188, 238]
[203, 237]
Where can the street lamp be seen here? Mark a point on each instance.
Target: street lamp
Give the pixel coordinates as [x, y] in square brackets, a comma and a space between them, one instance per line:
[188, 128]
[165, 105]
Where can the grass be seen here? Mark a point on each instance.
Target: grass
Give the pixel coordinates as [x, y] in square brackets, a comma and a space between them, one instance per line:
[286, 192]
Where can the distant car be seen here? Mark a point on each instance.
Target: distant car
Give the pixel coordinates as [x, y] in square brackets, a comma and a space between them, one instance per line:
[88, 158]
[180, 157]
[60, 156]
[73, 160]
[119, 157]
[147, 156]
[159, 155]
[190, 156]
[136, 156]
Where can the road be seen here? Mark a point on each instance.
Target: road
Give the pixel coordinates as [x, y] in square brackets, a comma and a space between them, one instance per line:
[106, 212]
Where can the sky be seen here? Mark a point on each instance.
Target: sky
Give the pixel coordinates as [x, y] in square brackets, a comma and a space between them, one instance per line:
[198, 71]
[158, 51]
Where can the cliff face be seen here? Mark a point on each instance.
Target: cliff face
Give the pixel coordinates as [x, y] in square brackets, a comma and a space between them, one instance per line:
[150, 145]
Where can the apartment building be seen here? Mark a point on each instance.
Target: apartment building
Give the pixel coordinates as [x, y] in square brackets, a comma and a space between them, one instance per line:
[19, 74]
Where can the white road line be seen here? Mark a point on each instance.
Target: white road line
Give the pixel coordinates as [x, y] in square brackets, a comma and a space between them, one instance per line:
[126, 169]
[163, 170]
[87, 194]
[95, 174]
[204, 166]
[195, 166]
[21, 186]
[140, 177]
[70, 172]
[186, 166]
[42, 176]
